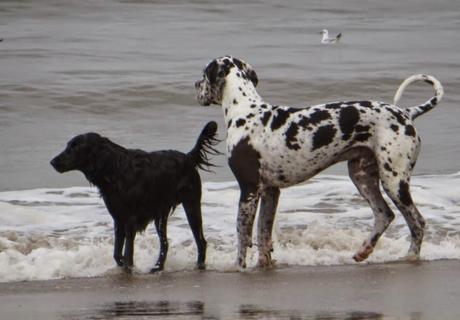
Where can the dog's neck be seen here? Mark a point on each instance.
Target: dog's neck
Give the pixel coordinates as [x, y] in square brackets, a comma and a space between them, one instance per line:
[238, 95]
[105, 173]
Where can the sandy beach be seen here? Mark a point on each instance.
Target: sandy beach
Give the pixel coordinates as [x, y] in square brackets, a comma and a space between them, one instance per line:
[426, 290]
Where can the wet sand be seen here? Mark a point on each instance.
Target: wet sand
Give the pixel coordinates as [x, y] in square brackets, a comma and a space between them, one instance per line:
[427, 290]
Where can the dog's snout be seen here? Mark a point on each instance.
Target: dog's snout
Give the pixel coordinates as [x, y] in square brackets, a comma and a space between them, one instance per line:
[57, 164]
[53, 163]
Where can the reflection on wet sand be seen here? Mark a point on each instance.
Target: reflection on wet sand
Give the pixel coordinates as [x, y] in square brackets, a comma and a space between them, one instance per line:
[196, 310]
[146, 310]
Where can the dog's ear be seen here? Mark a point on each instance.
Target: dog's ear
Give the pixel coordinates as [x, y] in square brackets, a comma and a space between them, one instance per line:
[247, 69]
[211, 71]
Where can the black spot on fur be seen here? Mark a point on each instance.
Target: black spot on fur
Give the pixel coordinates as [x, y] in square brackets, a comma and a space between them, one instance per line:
[361, 137]
[229, 123]
[404, 194]
[253, 106]
[360, 128]
[335, 105]
[291, 137]
[315, 118]
[397, 115]
[365, 104]
[240, 122]
[251, 115]
[410, 130]
[266, 117]
[279, 119]
[235, 102]
[394, 127]
[348, 119]
[323, 136]
[429, 81]
[387, 167]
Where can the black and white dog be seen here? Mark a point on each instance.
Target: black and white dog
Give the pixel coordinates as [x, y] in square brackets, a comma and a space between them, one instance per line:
[139, 187]
[270, 147]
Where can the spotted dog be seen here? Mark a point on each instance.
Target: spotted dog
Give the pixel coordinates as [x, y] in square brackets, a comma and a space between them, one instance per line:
[270, 147]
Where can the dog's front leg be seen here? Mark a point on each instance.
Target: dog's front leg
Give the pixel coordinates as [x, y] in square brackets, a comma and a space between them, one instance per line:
[130, 234]
[267, 213]
[160, 225]
[118, 244]
[247, 208]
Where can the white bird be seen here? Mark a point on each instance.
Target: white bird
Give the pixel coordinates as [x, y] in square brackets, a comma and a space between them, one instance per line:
[328, 40]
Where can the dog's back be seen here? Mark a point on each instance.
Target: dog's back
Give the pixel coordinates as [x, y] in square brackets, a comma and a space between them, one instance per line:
[151, 184]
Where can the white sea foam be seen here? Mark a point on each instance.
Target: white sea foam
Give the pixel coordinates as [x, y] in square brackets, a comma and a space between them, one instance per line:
[56, 233]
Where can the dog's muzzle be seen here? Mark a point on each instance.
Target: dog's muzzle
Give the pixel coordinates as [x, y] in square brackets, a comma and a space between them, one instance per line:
[201, 94]
[58, 165]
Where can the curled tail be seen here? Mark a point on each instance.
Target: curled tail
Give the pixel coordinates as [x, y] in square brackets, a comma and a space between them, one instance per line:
[205, 146]
[416, 111]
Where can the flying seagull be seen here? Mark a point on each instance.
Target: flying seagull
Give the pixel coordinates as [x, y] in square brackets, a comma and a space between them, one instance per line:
[328, 40]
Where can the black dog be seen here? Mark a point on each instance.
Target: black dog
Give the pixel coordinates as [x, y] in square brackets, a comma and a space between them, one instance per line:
[139, 187]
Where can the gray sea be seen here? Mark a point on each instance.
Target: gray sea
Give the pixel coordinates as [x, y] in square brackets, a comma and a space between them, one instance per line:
[126, 69]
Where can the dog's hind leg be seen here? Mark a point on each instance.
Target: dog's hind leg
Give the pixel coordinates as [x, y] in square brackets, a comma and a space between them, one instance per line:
[247, 207]
[192, 209]
[395, 174]
[161, 227]
[397, 189]
[268, 205]
[364, 173]
[130, 235]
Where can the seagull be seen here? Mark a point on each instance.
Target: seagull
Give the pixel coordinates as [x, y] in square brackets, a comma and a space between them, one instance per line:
[328, 40]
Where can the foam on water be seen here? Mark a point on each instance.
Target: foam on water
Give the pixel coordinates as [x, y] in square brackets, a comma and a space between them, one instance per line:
[56, 233]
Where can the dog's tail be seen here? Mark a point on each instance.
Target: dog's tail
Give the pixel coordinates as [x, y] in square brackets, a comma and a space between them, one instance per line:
[416, 111]
[205, 146]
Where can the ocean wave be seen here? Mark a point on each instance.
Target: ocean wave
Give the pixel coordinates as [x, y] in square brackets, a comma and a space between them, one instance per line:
[60, 233]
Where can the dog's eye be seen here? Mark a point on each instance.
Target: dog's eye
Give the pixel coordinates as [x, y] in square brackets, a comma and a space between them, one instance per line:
[72, 145]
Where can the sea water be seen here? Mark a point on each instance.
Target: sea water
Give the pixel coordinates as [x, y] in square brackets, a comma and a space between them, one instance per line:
[66, 232]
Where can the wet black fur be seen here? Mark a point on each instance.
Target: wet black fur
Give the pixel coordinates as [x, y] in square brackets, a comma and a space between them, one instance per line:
[139, 187]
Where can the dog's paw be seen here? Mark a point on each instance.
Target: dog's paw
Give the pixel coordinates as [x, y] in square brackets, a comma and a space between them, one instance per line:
[156, 269]
[265, 261]
[119, 260]
[201, 266]
[128, 269]
[266, 265]
[362, 254]
[411, 257]
[241, 263]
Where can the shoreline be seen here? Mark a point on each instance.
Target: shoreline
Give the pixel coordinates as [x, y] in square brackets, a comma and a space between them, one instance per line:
[397, 290]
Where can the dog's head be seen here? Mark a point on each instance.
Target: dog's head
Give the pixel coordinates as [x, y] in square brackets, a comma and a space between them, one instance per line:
[210, 87]
[79, 153]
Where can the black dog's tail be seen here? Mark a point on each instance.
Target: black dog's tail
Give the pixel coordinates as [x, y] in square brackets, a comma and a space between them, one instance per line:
[416, 111]
[205, 146]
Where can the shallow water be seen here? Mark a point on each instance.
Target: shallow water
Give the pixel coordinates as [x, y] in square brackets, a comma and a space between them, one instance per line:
[67, 232]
